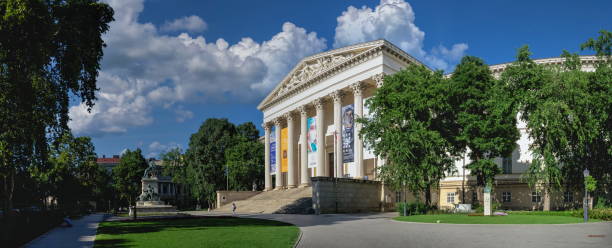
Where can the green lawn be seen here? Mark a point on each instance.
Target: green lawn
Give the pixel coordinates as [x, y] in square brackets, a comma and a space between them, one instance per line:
[197, 232]
[510, 219]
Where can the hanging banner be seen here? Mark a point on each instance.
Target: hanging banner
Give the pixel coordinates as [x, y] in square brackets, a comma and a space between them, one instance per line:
[311, 141]
[273, 150]
[284, 148]
[368, 153]
[348, 142]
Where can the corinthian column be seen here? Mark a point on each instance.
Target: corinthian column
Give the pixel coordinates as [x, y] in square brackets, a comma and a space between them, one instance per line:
[379, 78]
[279, 174]
[303, 147]
[318, 103]
[267, 177]
[357, 93]
[290, 151]
[337, 97]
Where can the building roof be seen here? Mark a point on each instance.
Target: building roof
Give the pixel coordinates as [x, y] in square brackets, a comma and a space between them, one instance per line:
[108, 160]
[317, 67]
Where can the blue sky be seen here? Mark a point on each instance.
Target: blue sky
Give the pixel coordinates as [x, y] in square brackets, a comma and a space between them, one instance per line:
[169, 65]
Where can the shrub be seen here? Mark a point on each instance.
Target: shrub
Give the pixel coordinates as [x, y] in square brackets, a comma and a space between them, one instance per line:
[480, 208]
[413, 208]
[596, 213]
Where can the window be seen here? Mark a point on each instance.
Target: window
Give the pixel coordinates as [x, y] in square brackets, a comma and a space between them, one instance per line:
[507, 165]
[568, 197]
[474, 197]
[536, 196]
[450, 197]
[398, 196]
[506, 196]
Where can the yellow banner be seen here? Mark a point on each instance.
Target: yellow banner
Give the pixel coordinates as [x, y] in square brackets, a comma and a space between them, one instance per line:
[284, 145]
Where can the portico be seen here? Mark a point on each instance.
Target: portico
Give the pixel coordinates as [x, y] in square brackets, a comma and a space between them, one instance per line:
[309, 118]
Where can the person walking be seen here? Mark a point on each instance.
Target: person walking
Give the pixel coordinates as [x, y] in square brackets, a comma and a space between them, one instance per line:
[233, 208]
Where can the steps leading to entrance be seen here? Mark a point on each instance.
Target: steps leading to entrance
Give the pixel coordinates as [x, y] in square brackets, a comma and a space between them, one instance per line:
[288, 201]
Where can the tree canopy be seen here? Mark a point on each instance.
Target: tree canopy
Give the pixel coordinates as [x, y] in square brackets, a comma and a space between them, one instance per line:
[568, 116]
[49, 51]
[128, 173]
[407, 128]
[484, 116]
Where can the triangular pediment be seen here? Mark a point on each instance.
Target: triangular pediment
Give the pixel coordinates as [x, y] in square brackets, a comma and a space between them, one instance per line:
[313, 66]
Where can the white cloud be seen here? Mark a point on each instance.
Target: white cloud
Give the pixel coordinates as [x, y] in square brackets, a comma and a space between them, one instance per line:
[156, 148]
[143, 70]
[189, 23]
[393, 20]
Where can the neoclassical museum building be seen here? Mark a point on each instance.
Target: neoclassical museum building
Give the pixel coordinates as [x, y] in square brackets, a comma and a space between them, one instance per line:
[310, 131]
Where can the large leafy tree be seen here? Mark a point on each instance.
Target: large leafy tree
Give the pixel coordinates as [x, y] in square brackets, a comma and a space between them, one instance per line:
[175, 166]
[567, 112]
[484, 115]
[206, 158]
[408, 128]
[245, 159]
[127, 175]
[49, 51]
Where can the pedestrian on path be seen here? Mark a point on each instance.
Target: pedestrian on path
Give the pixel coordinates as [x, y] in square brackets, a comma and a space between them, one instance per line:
[233, 208]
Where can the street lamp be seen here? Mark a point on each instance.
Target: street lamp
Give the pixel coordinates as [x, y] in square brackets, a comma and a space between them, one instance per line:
[585, 205]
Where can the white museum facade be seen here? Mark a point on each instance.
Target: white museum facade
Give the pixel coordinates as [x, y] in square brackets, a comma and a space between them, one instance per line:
[310, 131]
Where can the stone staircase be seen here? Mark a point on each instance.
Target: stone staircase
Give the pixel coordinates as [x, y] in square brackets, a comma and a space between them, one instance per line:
[288, 201]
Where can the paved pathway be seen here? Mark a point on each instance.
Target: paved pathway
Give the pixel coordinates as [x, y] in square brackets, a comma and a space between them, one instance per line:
[81, 234]
[379, 230]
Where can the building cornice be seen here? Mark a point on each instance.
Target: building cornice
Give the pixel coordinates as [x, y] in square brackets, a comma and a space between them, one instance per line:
[372, 49]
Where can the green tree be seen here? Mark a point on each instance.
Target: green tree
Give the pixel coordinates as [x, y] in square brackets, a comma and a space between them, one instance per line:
[245, 159]
[205, 158]
[407, 130]
[484, 114]
[127, 175]
[49, 51]
[174, 166]
[567, 112]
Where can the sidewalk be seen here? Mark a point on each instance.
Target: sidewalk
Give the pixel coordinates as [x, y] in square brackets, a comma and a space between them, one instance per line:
[81, 234]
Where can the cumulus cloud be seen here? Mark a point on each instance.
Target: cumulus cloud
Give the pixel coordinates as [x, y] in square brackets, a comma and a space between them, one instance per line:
[393, 20]
[156, 148]
[143, 69]
[189, 23]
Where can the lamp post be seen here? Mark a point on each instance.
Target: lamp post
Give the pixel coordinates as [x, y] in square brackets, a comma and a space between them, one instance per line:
[585, 205]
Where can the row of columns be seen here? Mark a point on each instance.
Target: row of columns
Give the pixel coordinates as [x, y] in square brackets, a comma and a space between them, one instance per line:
[321, 169]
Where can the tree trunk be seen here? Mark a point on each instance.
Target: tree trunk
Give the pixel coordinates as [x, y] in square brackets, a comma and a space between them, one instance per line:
[546, 200]
[9, 186]
[428, 195]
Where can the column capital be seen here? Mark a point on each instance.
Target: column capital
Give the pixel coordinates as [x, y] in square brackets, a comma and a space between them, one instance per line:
[378, 78]
[318, 103]
[337, 96]
[278, 121]
[266, 126]
[357, 88]
[288, 116]
[303, 110]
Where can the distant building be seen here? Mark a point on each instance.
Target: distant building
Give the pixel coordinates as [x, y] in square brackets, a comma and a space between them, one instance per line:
[108, 163]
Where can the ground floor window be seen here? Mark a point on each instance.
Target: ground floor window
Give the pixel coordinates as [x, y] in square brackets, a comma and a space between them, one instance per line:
[568, 197]
[474, 197]
[450, 197]
[398, 196]
[536, 196]
[506, 196]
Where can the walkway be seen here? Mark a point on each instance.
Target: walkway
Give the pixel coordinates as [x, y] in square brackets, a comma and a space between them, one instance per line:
[379, 230]
[81, 234]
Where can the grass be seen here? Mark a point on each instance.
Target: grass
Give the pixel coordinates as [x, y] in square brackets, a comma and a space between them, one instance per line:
[509, 219]
[197, 232]
[148, 214]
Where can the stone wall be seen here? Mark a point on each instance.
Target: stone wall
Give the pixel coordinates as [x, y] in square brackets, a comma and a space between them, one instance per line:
[343, 195]
[227, 197]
